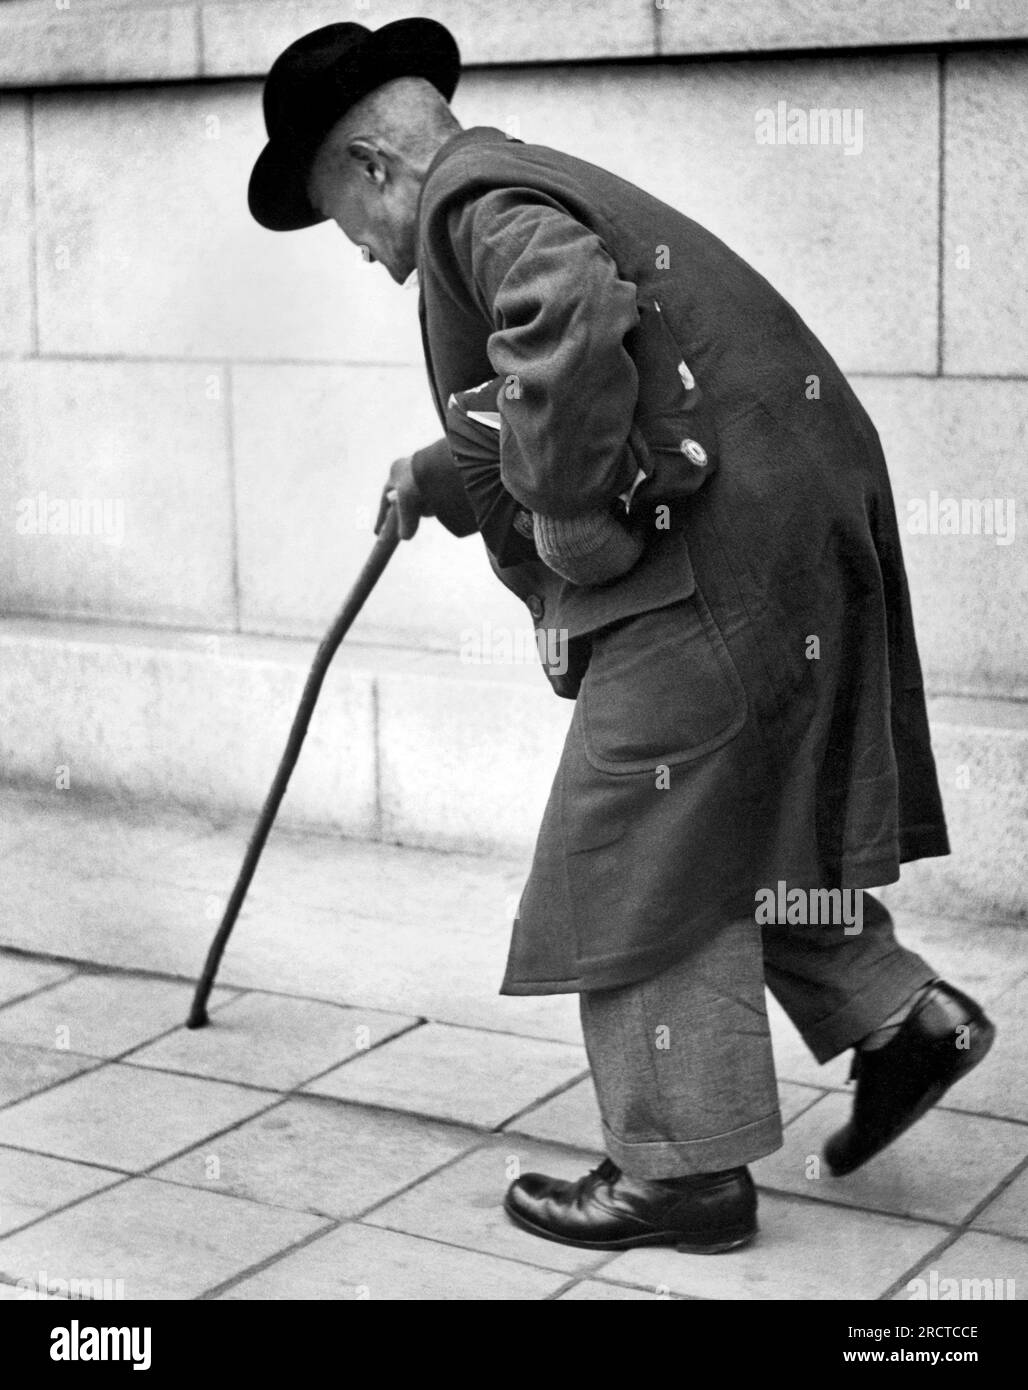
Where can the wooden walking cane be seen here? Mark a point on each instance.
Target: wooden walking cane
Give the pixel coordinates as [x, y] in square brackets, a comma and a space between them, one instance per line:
[386, 543]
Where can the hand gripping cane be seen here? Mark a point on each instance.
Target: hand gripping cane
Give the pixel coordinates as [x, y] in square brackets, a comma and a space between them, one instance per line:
[388, 539]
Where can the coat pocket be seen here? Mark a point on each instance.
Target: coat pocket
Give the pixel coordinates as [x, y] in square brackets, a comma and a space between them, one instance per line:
[661, 689]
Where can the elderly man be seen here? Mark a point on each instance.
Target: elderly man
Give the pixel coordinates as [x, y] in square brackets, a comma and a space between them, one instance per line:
[672, 473]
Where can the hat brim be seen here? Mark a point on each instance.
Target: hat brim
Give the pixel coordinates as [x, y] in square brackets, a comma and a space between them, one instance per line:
[406, 48]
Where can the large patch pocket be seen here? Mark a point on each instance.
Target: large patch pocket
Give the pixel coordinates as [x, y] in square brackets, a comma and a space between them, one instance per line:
[661, 689]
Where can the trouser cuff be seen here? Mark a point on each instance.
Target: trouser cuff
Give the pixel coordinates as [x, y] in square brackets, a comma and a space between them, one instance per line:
[895, 982]
[671, 1158]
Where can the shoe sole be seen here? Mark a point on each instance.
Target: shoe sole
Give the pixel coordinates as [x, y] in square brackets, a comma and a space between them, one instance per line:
[686, 1247]
[931, 1097]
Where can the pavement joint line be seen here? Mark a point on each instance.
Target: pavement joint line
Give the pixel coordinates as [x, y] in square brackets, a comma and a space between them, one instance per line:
[243, 990]
[563, 1289]
[649, 1288]
[39, 989]
[141, 972]
[123, 1178]
[58, 1081]
[213, 1137]
[878, 1211]
[922, 1263]
[287, 1093]
[542, 1100]
[215, 1291]
[336, 1223]
[803, 1109]
[469, 1249]
[1000, 1187]
[982, 1115]
[240, 992]
[103, 1060]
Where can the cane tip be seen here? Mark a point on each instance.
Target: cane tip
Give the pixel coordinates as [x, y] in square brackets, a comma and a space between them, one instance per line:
[198, 1018]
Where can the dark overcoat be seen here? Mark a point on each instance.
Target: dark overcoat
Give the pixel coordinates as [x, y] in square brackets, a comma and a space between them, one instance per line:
[749, 701]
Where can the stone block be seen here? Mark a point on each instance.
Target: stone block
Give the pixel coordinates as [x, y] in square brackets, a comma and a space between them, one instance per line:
[940, 1170]
[238, 40]
[463, 1204]
[126, 1118]
[960, 442]
[271, 1040]
[705, 25]
[17, 325]
[851, 240]
[316, 1156]
[985, 290]
[162, 1241]
[313, 447]
[801, 1253]
[443, 765]
[43, 44]
[32, 1185]
[196, 720]
[359, 1262]
[499, 1074]
[147, 248]
[116, 492]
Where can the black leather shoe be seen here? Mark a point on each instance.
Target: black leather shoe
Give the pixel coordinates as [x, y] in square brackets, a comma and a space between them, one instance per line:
[942, 1039]
[607, 1210]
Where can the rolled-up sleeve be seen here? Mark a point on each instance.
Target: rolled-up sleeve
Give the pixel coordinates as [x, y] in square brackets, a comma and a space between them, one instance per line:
[560, 311]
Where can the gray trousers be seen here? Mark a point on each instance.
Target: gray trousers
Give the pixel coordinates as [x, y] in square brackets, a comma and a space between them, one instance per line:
[682, 1062]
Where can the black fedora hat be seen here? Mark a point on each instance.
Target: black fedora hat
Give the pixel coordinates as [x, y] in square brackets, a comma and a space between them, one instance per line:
[314, 82]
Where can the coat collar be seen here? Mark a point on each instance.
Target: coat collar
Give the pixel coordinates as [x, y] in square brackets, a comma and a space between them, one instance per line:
[474, 135]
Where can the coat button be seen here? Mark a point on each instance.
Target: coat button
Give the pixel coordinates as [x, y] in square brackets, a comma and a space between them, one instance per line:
[535, 606]
[694, 452]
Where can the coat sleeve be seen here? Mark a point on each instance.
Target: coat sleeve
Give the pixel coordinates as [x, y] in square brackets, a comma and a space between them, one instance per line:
[442, 488]
[560, 312]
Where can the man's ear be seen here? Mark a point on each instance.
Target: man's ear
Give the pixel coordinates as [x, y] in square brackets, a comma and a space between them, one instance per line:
[369, 158]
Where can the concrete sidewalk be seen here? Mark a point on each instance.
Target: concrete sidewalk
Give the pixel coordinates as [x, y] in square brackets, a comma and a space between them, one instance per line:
[347, 1125]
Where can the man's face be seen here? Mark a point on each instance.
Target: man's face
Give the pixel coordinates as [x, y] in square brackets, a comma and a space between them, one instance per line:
[373, 205]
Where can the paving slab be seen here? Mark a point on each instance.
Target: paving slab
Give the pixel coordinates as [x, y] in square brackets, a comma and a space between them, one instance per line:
[21, 975]
[320, 1156]
[593, 1291]
[26, 1070]
[370, 925]
[163, 1241]
[794, 1099]
[462, 1204]
[32, 1185]
[359, 1262]
[938, 1171]
[93, 837]
[984, 1266]
[272, 1040]
[984, 959]
[101, 1015]
[804, 1251]
[11, 1292]
[1007, 1213]
[999, 1085]
[125, 1117]
[794, 1061]
[461, 1074]
[571, 1118]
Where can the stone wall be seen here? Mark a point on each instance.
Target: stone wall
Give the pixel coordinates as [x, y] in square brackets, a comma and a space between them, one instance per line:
[240, 394]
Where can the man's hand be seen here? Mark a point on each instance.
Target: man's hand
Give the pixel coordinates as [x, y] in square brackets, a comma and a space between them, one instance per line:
[410, 504]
